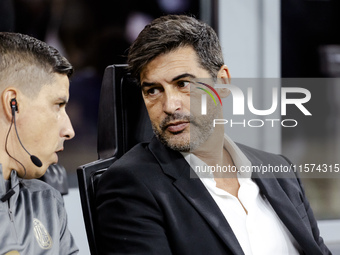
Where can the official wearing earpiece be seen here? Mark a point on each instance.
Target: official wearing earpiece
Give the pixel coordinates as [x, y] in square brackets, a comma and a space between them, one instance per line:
[34, 86]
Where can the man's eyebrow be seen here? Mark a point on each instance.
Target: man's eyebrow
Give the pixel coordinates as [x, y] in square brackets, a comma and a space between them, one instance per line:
[63, 100]
[185, 75]
[147, 84]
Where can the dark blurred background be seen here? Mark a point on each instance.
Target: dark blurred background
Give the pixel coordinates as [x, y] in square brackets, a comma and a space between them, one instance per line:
[310, 48]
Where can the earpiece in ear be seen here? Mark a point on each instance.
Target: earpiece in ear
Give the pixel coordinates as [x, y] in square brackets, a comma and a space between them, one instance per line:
[14, 105]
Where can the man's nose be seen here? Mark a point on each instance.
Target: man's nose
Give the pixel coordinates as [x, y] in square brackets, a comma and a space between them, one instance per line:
[67, 131]
[173, 102]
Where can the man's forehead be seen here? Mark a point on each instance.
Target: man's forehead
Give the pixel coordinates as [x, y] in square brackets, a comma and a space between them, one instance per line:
[59, 87]
[175, 62]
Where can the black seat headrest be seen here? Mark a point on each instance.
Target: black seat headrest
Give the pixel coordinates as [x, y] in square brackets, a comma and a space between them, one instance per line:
[121, 102]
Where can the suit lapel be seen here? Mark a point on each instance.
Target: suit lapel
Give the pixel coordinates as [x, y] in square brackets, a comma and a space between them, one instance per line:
[282, 205]
[175, 166]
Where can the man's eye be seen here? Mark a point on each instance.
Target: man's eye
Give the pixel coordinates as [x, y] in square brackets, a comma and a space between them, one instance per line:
[183, 84]
[60, 105]
[153, 91]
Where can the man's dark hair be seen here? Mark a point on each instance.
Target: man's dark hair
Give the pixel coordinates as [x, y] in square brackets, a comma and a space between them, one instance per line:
[167, 33]
[29, 63]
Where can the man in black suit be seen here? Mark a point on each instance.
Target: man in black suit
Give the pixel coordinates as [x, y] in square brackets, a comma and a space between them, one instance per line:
[155, 199]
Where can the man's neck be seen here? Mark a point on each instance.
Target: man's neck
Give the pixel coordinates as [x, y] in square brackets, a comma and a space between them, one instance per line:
[213, 153]
[6, 172]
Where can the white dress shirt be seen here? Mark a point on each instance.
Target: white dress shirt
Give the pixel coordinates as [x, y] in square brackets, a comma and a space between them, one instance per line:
[260, 232]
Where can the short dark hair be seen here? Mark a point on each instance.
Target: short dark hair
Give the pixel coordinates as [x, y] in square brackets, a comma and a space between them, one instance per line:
[20, 52]
[47, 55]
[170, 32]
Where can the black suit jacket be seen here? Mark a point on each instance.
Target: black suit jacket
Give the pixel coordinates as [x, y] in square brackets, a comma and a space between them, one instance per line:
[148, 204]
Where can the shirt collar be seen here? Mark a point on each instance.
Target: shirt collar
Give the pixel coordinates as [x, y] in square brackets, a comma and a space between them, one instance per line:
[5, 185]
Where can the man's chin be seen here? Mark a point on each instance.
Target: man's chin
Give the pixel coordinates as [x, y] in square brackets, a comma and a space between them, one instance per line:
[178, 146]
[177, 142]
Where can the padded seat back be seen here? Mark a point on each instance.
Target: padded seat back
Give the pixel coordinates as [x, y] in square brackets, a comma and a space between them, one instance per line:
[123, 122]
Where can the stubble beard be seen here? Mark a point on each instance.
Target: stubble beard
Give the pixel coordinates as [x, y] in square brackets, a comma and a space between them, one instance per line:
[199, 131]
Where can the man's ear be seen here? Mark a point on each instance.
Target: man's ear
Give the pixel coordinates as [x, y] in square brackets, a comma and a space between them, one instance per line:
[223, 76]
[7, 95]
